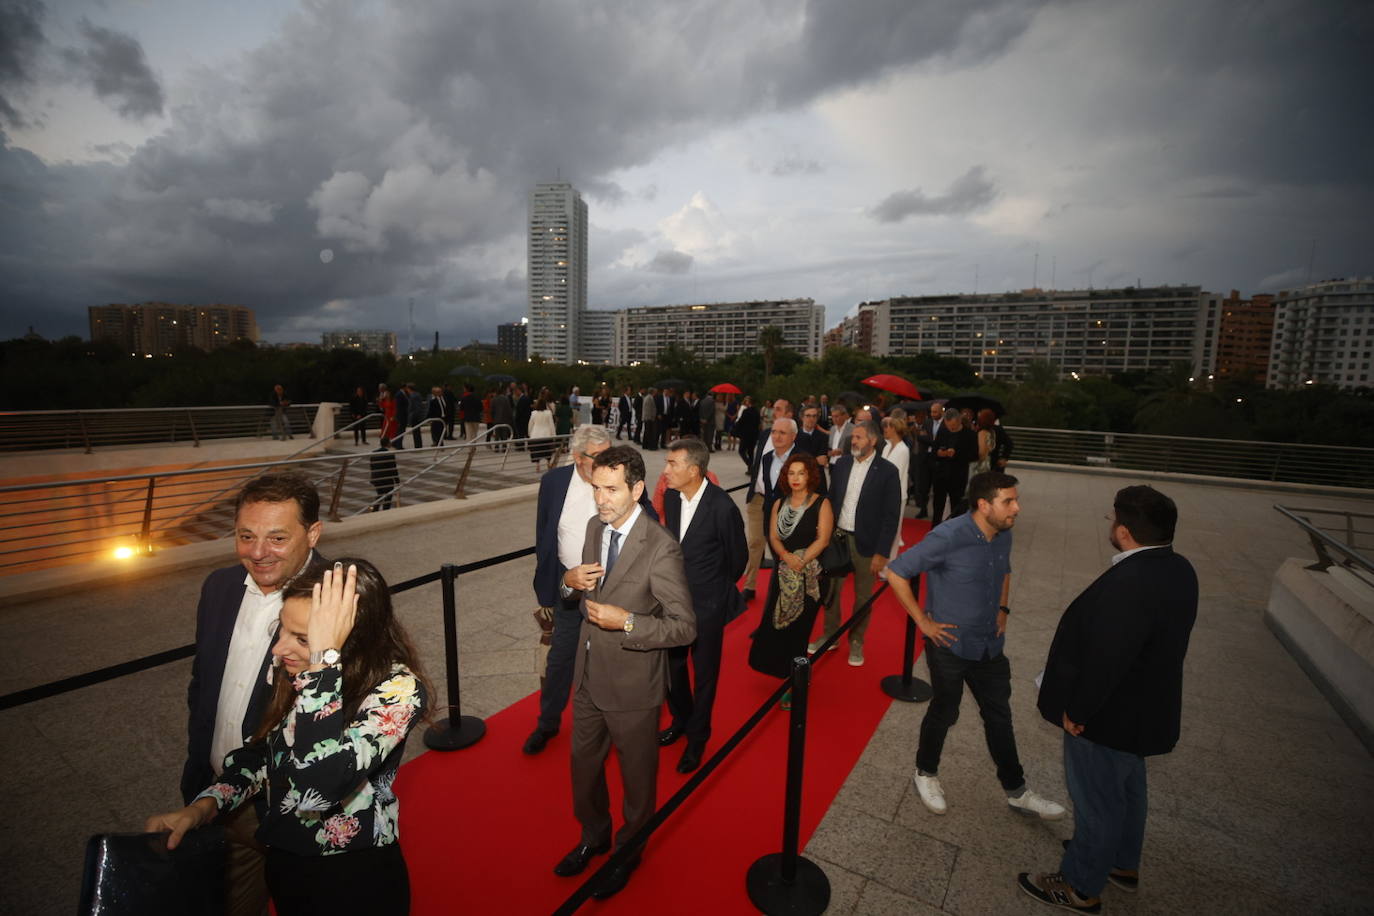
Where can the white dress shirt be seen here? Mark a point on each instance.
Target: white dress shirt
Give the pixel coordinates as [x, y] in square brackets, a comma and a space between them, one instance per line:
[689, 509]
[858, 472]
[254, 630]
[579, 505]
[774, 469]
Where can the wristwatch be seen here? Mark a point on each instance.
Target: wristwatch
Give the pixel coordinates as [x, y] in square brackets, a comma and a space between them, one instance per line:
[630, 624]
[327, 657]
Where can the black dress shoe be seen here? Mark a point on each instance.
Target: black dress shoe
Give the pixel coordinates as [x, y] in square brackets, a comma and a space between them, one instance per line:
[575, 862]
[691, 756]
[615, 882]
[537, 739]
[669, 735]
[748, 595]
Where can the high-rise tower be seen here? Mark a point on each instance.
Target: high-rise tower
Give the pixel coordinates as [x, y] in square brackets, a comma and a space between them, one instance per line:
[557, 271]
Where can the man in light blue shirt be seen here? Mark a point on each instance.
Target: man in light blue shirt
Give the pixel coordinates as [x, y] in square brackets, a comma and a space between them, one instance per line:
[968, 562]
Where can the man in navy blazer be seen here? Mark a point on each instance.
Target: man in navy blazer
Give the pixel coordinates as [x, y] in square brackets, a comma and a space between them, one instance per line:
[707, 523]
[866, 496]
[763, 491]
[1114, 683]
[276, 527]
[565, 504]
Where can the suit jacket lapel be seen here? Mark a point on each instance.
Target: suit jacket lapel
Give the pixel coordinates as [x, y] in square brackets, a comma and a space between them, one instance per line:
[632, 545]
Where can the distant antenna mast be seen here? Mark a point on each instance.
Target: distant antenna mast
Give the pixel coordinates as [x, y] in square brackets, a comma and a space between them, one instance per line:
[1035, 272]
[412, 325]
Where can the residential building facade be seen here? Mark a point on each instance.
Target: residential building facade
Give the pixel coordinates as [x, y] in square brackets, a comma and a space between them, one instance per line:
[557, 271]
[368, 341]
[160, 328]
[597, 347]
[1323, 334]
[512, 339]
[1245, 335]
[716, 330]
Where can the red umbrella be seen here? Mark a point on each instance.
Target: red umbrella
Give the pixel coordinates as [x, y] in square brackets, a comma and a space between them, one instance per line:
[895, 384]
[726, 388]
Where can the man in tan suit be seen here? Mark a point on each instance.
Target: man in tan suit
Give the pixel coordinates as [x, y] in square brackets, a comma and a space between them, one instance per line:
[635, 604]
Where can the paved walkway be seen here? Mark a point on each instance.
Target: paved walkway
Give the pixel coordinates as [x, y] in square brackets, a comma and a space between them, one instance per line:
[1262, 808]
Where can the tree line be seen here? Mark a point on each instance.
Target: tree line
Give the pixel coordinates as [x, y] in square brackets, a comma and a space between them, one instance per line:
[75, 374]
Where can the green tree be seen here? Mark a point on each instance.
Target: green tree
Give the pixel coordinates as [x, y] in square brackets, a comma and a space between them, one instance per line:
[770, 342]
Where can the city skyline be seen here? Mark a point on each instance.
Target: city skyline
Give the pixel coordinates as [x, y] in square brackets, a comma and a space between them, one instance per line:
[324, 164]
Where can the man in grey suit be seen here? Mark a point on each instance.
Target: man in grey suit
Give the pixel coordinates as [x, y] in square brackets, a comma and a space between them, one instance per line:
[635, 604]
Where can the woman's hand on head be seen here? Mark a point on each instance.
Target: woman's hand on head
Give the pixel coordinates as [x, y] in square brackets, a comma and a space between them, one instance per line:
[333, 608]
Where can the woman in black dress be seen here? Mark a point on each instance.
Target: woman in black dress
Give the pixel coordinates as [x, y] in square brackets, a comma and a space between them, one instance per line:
[798, 531]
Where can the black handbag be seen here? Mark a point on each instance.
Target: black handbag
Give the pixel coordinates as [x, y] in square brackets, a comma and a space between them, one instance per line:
[835, 556]
[135, 873]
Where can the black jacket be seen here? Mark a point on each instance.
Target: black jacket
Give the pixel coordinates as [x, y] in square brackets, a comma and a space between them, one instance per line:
[1116, 663]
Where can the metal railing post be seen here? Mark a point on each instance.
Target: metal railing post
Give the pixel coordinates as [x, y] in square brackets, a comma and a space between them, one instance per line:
[85, 435]
[191, 421]
[460, 491]
[338, 491]
[907, 686]
[785, 882]
[457, 731]
[145, 537]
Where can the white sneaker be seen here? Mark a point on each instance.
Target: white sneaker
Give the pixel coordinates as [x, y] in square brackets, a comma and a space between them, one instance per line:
[1030, 803]
[811, 647]
[932, 796]
[856, 655]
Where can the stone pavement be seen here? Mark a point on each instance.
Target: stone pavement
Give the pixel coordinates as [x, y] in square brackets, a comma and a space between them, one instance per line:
[1260, 809]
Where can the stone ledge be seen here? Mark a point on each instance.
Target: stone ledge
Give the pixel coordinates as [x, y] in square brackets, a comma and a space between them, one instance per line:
[1328, 631]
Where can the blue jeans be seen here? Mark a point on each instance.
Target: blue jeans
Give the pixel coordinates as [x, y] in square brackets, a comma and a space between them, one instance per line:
[1109, 806]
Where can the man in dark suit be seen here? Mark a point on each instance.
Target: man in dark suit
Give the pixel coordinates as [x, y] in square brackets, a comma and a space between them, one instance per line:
[668, 401]
[635, 604]
[276, 527]
[523, 407]
[470, 411]
[763, 490]
[707, 523]
[747, 430]
[865, 494]
[954, 448]
[626, 415]
[706, 421]
[437, 411]
[813, 440]
[923, 459]
[1114, 683]
[648, 420]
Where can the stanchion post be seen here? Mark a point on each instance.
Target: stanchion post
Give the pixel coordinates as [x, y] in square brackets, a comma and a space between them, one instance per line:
[785, 882]
[457, 731]
[906, 686]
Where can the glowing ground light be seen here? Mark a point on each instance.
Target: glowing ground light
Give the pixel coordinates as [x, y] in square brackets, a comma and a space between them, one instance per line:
[123, 553]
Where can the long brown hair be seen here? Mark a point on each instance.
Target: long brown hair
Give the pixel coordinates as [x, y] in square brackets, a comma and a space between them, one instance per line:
[376, 642]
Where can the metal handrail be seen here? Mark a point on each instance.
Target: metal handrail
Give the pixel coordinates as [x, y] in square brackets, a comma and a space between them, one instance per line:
[56, 518]
[1323, 543]
[39, 430]
[1330, 465]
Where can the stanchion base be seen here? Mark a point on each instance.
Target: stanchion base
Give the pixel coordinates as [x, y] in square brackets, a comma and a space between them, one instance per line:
[808, 895]
[913, 691]
[448, 735]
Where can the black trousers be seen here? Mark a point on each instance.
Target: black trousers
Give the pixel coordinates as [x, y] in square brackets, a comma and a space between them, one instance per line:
[989, 680]
[649, 435]
[558, 666]
[372, 881]
[691, 700]
[949, 481]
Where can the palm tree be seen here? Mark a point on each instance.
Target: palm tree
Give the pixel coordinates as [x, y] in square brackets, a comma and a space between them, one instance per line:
[770, 341]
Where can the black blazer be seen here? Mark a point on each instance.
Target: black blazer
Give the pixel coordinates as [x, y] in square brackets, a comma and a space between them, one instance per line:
[714, 553]
[880, 503]
[1116, 663]
[763, 464]
[220, 598]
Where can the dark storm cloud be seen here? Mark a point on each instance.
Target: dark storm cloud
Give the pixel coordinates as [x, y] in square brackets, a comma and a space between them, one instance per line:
[670, 262]
[21, 40]
[114, 65]
[406, 138]
[969, 192]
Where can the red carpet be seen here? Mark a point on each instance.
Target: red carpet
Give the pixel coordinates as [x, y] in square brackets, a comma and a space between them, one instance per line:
[483, 827]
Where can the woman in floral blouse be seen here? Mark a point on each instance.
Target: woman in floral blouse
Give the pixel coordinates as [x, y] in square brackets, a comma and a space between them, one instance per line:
[328, 748]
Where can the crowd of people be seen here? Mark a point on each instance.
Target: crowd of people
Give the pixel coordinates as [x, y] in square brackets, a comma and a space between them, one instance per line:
[305, 686]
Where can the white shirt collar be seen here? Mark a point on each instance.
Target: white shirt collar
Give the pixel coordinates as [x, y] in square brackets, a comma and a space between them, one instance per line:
[1126, 553]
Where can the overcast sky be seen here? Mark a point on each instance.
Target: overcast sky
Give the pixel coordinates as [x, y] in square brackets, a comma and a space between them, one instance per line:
[329, 162]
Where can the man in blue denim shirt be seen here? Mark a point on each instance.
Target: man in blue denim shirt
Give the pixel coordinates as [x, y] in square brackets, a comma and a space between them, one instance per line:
[968, 561]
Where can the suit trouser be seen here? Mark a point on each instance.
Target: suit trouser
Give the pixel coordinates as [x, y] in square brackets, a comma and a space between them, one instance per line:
[1110, 802]
[635, 736]
[754, 522]
[245, 874]
[923, 473]
[863, 590]
[691, 701]
[950, 482]
[558, 667]
[989, 680]
[648, 431]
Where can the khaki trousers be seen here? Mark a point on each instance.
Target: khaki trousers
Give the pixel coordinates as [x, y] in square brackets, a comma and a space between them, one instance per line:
[863, 590]
[754, 526]
[245, 871]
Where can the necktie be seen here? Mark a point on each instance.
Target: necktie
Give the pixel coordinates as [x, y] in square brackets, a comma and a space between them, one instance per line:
[613, 554]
